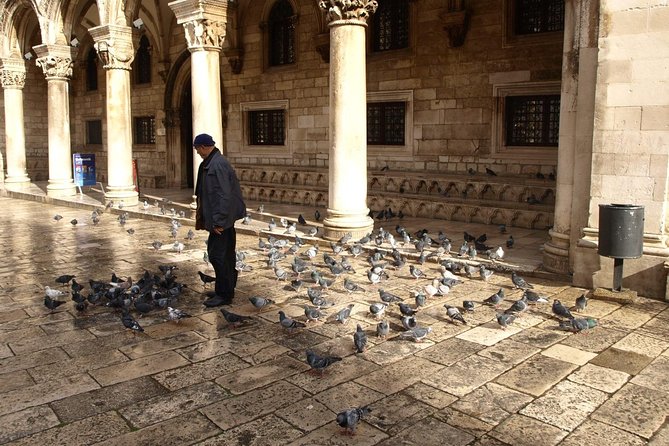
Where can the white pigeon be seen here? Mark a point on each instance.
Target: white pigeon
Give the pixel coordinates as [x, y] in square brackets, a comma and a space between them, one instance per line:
[178, 246]
[54, 294]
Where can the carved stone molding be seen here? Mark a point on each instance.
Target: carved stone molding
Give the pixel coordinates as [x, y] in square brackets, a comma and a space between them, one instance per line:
[348, 9]
[114, 46]
[56, 61]
[235, 59]
[204, 34]
[322, 44]
[13, 73]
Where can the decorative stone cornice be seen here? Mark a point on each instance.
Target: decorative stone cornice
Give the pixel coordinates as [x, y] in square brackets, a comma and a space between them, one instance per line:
[204, 34]
[114, 45]
[56, 61]
[13, 73]
[235, 58]
[456, 24]
[348, 9]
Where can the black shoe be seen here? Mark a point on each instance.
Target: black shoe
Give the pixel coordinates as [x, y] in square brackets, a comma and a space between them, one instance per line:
[210, 294]
[217, 301]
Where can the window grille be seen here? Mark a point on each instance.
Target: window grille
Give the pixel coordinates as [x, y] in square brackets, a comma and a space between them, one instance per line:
[266, 127]
[390, 25]
[532, 120]
[281, 25]
[145, 130]
[386, 123]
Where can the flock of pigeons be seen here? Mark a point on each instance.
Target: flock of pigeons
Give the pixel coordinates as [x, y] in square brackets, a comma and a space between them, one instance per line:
[299, 266]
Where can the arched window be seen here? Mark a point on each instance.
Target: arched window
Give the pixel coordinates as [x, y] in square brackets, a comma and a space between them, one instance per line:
[390, 25]
[281, 27]
[92, 70]
[142, 62]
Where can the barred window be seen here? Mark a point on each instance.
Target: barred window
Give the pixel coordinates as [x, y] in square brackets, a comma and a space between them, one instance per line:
[390, 25]
[281, 26]
[142, 63]
[267, 127]
[145, 130]
[538, 16]
[386, 123]
[532, 120]
[94, 132]
[92, 70]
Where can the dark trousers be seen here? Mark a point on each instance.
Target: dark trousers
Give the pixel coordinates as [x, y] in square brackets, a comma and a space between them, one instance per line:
[221, 251]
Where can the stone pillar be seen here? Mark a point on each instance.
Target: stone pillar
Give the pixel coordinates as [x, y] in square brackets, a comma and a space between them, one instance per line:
[13, 80]
[115, 49]
[204, 27]
[56, 62]
[347, 207]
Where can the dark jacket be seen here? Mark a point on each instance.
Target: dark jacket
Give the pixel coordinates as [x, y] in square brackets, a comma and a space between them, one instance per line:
[219, 197]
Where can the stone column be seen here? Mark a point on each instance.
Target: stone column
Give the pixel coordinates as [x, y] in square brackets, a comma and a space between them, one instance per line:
[115, 49]
[347, 207]
[13, 81]
[56, 61]
[204, 27]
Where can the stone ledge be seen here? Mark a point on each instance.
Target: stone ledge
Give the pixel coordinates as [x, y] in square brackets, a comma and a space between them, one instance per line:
[621, 297]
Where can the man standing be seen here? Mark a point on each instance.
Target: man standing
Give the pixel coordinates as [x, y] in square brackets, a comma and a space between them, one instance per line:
[219, 205]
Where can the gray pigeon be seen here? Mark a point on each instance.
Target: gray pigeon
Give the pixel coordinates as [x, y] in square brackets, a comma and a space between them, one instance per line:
[416, 333]
[343, 314]
[378, 308]
[360, 339]
[320, 363]
[174, 314]
[504, 319]
[234, 319]
[454, 314]
[421, 299]
[485, 273]
[350, 418]
[581, 303]
[406, 309]
[260, 302]
[578, 324]
[533, 297]
[417, 273]
[495, 299]
[518, 306]
[382, 329]
[519, 282]
[351, 286]
[468, 305]
[288, 323]
[409, 322]
[388, 297]
[560, 310]
[312, 314]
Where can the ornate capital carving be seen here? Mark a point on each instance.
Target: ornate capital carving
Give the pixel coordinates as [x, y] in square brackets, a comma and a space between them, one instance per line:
[348, 9]
[204, 34]
[235, 59]
[114, 46]
[13, 73]
[56, 61]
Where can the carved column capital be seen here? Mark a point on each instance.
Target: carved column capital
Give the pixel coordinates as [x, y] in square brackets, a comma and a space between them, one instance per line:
[114, 45]
[348, 9]
[12, 73]
[56, 61]
[204, 34]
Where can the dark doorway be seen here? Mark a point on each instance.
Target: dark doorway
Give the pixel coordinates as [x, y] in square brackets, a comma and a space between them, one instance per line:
[186, 107]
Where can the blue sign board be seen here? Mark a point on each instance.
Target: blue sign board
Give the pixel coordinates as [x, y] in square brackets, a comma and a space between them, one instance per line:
[84, 169]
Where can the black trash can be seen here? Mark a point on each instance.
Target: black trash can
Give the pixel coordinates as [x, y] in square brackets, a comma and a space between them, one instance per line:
[620, 236]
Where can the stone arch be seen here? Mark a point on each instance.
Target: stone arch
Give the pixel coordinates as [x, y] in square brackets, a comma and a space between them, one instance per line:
[451, 190]
[497, 217]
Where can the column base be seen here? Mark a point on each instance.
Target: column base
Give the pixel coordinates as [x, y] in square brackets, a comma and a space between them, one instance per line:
[126, 195]
[22, 182]
[337, 224]
[61, 188]
[556, 253]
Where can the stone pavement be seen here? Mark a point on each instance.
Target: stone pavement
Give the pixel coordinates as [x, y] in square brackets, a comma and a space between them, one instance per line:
[81, 378]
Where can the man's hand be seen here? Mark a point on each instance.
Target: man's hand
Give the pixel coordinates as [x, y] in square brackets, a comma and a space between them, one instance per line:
[218, 230]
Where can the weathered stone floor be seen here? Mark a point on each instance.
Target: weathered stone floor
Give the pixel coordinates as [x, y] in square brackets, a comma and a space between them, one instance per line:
[81, 378]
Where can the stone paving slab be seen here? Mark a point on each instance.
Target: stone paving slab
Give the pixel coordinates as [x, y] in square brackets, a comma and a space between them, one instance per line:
[430, 431]
[520, 430]
[25, 422]
[267, 431]
[72, 366]
[492, 403]
[399, 375]
[200, 372]
[536, 375]
[307, 414]
[593, 432]
[15, 380]
[243, 380]
[332, 435]
[430, 395]
[146, 365]
[655, 376]
[600, 378]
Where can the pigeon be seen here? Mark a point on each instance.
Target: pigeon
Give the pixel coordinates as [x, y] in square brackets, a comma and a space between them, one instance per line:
[312, 314]
[421, 299]
[206, 278]
[345, 238]
[416, 333]
[581, 303]
[178, 247]
[497, 254]
[317, 215]
[190, 235]
[284, 222]
[504, 319]
[156, 245]
[533, 297]
[517, 307]
[578, 324]
[373, 277]
[53, 294]
[382, 329]
[351, 286]
[485, 273]
[234, 319]
[509, 242]
[468, 305]
[312, 231]
[417, 273]
[246, 220]
[271, 226]
[261, 208]
[454, 314]
[289, 323]
[260, 302]
[74, 222]
[174, 314]
[519, 282]
[52, 304]
[320, 363]
[280, 273]
[343, 314]
[406, 309]
[64, 279]
[560, 310]
[360, 339]
[57, 217]
[409, 322]
[388, 297]
[301, 220]
[495, 299]
[132, 324]
[349, 418]
[377, 309]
